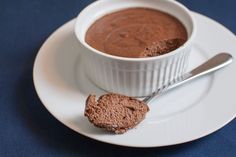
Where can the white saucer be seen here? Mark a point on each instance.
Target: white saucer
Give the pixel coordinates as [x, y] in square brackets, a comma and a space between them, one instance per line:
[184, 114]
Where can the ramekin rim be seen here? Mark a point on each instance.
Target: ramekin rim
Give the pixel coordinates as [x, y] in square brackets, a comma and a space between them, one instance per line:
[172, 53]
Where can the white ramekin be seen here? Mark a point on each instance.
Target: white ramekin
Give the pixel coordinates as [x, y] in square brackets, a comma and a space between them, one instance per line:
[133, 76]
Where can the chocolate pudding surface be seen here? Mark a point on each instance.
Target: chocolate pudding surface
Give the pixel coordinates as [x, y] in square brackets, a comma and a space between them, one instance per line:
[136, 33]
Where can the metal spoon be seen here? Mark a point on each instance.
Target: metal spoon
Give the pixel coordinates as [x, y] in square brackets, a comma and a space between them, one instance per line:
[215, 63]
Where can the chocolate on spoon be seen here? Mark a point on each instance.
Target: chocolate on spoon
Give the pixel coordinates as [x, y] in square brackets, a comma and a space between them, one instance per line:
[114, 112]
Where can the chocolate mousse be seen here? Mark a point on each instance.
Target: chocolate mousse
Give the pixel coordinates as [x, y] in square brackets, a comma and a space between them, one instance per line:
[114, 112]
[136, 32]
[162, 47]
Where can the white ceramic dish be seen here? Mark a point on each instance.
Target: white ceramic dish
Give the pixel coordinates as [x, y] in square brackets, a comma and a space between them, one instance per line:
[184, 114]
[129, 76]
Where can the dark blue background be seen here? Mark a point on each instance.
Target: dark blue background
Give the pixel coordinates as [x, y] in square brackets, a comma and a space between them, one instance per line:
[26, 127]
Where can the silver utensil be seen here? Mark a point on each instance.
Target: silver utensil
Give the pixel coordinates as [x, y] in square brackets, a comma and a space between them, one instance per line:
[215, 63]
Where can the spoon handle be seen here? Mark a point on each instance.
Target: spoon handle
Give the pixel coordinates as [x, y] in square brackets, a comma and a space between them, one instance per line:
[215, 63]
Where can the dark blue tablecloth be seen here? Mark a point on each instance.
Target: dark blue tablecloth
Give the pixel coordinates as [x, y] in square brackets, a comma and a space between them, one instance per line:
[27, 128]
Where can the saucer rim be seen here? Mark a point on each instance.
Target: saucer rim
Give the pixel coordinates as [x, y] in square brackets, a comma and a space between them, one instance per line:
[136, 146]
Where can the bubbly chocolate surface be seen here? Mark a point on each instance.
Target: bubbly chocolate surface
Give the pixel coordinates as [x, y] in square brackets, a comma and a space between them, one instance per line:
[114, 112]
[131, 32]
